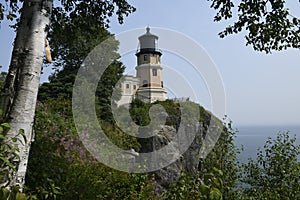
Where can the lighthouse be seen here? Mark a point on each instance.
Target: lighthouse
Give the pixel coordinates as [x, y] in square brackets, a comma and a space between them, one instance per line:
[149, 69]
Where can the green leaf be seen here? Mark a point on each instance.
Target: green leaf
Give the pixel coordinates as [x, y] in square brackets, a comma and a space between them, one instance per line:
[22, 132]
[13, 15]
[9, 17]
[204, 189]
[6, 125]
[21, 196]
[215, 194]
[208, 176]
[4, 193]
[217, 171]
[14, 192]
[216, 182]
[7, 162]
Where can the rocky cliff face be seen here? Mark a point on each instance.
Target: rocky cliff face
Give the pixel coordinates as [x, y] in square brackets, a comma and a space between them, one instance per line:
[207, 132]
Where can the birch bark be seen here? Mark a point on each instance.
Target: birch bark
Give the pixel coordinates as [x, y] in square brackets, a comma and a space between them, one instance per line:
[21, 86]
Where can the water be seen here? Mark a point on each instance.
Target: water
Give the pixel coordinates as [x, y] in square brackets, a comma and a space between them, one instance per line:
[253, 137]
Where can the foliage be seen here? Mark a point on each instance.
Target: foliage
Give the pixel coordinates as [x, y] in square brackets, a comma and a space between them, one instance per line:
[8, 154]
[70, 46]
[8, 9]
[98, 9]
[224, 157]
[187, 187]
[275, 172]
[105, 89]
[2, 79]
[197, 186]
[139, 112]
[173, 110]
[71, 41]
[101, 10]
[14, 194]
[273, 175]
[268, 23]
[213, 184]
[60, 167]
[46, 166]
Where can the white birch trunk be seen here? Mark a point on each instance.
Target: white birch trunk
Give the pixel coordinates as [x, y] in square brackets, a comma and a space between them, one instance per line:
[23, 79]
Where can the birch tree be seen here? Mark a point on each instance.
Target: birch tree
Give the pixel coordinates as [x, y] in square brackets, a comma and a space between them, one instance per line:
[21, 86]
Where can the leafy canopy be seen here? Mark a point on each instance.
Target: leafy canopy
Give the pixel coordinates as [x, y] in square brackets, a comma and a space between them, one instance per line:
[275, 172]
[100, 9]
[268, 24]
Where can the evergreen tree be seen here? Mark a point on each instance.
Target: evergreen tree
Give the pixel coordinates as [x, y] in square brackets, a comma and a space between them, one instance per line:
[72, 42]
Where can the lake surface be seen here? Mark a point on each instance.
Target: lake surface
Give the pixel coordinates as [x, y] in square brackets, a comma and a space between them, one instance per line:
[253, 137]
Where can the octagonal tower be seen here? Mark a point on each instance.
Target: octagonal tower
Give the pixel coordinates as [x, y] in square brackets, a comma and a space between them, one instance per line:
[149, 69]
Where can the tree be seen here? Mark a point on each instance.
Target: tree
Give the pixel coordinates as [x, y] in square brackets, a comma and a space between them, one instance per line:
[71, 45]
[71, 41]
[268, 23]
[21, 85]
[60, 167]
[22, 81]
[275, 172]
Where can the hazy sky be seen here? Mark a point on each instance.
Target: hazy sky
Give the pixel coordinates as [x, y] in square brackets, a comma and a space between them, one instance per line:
[260, 89]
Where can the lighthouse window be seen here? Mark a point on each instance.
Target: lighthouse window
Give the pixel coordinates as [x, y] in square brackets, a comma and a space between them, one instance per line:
[154, 72]
[127, 86]
[145, 83]
[134, 87]
[145, 57]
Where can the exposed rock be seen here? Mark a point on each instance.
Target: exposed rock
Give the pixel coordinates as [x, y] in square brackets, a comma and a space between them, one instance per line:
[206, 135]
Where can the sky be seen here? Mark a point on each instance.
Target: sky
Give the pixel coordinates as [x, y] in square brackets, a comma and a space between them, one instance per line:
[259, 89]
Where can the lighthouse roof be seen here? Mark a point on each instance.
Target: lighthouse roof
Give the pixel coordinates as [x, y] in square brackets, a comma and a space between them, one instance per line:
[148, 43]
[148, 34]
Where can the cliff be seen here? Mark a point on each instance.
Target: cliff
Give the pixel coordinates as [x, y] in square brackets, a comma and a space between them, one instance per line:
[181, 143]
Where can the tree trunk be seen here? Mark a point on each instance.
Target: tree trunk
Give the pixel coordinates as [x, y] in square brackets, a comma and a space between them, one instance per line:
[22, 82]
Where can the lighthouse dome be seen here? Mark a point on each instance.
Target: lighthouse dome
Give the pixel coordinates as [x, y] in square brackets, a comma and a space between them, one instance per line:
[148, 43]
